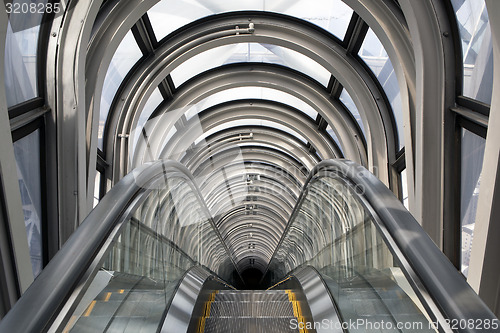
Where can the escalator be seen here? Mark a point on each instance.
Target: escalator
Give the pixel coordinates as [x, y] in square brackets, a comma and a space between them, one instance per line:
[149, 258]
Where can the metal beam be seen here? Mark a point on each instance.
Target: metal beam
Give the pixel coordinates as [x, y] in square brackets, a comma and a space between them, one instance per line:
[483, 268]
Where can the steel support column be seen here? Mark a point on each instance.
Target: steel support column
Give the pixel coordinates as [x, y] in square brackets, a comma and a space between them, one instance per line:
[483, 269]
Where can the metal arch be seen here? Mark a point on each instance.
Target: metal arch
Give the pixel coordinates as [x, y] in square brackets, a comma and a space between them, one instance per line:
[213, 178]
[433, 204]
[255, 109]
[265, 155]
[112, 23]
[267, 196]
[66, 98]
[259, 221]
[267, 193]
[388, 22]
[260, 75]
[233, 171]
[351, 70]
[261, 136]
[269, 169]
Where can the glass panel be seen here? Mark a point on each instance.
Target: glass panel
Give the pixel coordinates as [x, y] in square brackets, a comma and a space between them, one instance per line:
[374, 55]
[472, 164]
[331, 15]
[477, 50]
[154, 100]
[249, 52]
[332, 134]
[349, 103]
[251, 92]
[27, 153]
[251, 122]
[339, 237]
[21, 54]
[126, 55]
[404, 188]
[97, 188]
[167, 234]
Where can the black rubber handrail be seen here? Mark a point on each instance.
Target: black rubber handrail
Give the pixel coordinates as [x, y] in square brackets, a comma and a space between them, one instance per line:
[447, 287]
[40, 304]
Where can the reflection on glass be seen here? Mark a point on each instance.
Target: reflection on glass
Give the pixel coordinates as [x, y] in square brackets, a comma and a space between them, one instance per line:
[334, 233]
[374, 55]
[332, 134]
[97, 188]
[477, 50]
[252, 122]
[349, 103]
[331, 15]
[250, 92]
[404, 188]
[472, 164]
[249, 52]
[21, 56]
[27, 153]
[168, 233]
[154, 100]
[125, 57]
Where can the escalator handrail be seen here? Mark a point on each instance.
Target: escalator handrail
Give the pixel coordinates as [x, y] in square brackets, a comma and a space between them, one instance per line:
[446, 286]
[39, 305]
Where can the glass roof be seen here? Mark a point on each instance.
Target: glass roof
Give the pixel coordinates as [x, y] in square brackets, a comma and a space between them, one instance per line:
[349, 103]
[126, 55]
[374, 55]
[477, 50]
[20, 63]
[249, 52]
[332, 134]
[169, 15]
[251, 122]
[263, 93]
[154, 100]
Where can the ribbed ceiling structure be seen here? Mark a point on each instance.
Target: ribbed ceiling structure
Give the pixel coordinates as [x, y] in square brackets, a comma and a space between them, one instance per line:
[249, 95]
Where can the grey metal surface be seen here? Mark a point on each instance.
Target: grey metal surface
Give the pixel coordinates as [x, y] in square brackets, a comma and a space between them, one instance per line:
[444, 285]
[320, 300]
[250, 311]
[365, 102]
[182, 305]
[48, 293]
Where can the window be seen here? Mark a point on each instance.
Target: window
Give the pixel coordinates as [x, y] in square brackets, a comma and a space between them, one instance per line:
[404, 188]
[374, 55]
[249, 52]
[20, 64]
[126, 55]
[477, 50]
[472, 163]
[331, 15]
[27, 154]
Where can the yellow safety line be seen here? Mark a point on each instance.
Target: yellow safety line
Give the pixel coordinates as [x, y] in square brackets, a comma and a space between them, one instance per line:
[89, 309]
[297, 310]
[108, 295]
[206, 311]
[288, 278]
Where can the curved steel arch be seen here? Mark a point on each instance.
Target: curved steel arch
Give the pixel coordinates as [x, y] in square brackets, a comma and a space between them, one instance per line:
[348, 71]
[255, 109]
[261, 137]
[264, 75]
[259, 154]
[108, 30]
[243, 136]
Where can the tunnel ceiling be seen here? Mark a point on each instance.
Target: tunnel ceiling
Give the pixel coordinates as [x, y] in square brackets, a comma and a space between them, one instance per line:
[249, 95]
